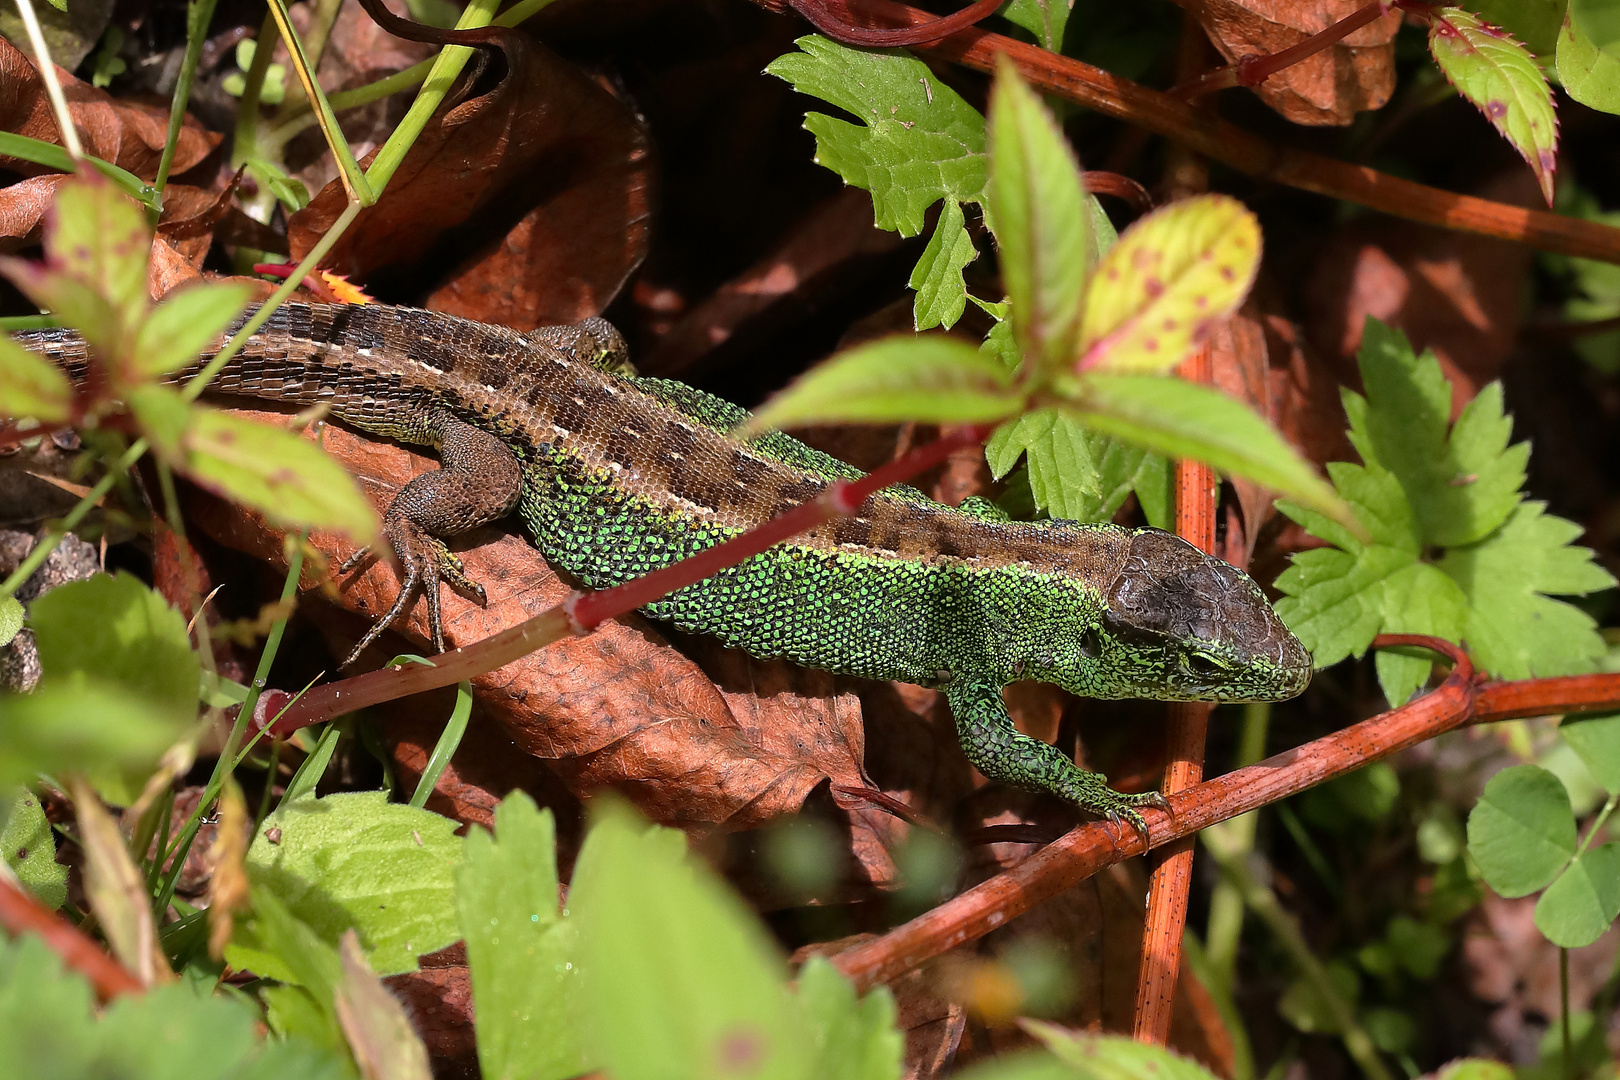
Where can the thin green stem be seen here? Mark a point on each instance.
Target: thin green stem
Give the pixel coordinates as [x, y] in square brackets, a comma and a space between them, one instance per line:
[198, 15]
[301, 117]
[354, 181]
[48, 543]
[245, 141]
[1597, 826]
[1563, 1008]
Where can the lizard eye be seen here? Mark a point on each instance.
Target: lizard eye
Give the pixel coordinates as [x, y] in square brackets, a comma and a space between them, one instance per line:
[1091, 644]
[1204, 665]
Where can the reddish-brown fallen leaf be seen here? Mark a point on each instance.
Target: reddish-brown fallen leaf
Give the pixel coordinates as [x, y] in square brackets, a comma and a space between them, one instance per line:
[128, 133]
[23, 206]
[438, 999]
[1329, 87]
[536, 194]
[1456, 293]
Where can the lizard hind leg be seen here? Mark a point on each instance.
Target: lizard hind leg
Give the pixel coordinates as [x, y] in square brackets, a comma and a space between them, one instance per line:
[1003, 753]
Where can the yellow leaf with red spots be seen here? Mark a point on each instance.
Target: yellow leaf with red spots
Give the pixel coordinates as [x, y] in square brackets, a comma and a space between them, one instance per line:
[1171, 277]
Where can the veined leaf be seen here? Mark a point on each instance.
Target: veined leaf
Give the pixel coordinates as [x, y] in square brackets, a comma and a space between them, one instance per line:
[1179, 419]
[180, 327]
[1589, 74]
[274, 471]
[99, 235]
[1599, 22]
[1522, 831]
[1578, 907]
[1041, 220]
[937, 277]
[32, 386]
[1499, 76]
[1170, 277]
[1046, 19]
[928, 377]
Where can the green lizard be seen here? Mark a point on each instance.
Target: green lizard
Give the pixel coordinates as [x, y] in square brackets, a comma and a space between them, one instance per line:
[614, 476]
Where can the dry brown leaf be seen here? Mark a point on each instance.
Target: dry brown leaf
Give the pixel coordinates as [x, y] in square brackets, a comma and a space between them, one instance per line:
[537, 193]
[438, 998]
[126, 132]
[1456, 293]
[23, 206]
[1329, 87]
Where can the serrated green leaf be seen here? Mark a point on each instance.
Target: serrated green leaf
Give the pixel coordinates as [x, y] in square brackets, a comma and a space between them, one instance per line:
[1589, 74]
[937, 277]
[1578, 907]
[522, 955]
[357, 860]
[1595, 738]
[291, 481]
[29, 849]
[1046, 19]
[1334, 601]
[32, 386]
[681, 979]
[1503, 80]
[1461, 485]
[929, 377]
[187, 320]
[116, 631]
[1179, 419]
[98, 728]
[1062, 474]
[1418, 599]
[1113, 1057]
[1041, 220]
[1171, 276]
[1522, 831]
[920, 141]
[855, 1037]
[1515, 631]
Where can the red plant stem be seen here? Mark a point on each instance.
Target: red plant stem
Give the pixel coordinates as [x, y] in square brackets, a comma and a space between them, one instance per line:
[1170, 883]
[21, 914]
[1254, 70]
[1250, 154]
[1085, 850]
[581, 613]
[828, 22]
[1121, 187]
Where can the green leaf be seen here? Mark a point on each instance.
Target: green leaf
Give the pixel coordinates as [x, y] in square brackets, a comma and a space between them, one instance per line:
[97, 728]
[1305, 1006]
[1074, 473]
[1595, 738]
[187, 321]
[1534, 22]
[1503, 80]
[291, 481]
[1599, 21]
[930, 377]
[1462, 483]
[98, 235]
[941, 292]
[1578, 907]
[275, 944]
[1522, 831]
[357, 860]
[1475, 1069]
[29, 848]
[521, 954]
[1113, 1057]
[32, 386]
[1018, 1065]
[1172, 276]
[855, 1038]
[681, 979]
[1046, 19]
[114, 630]
[11, 619]
[918, 141]
[45, 1012]
[1041, 220]
[1513, 630]
[1417, 599]
[1179, 419]
[1589, 74]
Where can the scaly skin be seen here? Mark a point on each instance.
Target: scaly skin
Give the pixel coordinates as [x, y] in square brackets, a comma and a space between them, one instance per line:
[614, 476]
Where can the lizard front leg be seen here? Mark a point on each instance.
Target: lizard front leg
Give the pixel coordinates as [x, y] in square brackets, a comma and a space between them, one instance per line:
[1003, 753]
[477, 482]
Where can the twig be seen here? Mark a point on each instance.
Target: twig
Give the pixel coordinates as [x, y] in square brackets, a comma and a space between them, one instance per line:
[829, 22]
[1254, 70]
[20, 913]
[1250, 154]
[1091, 847]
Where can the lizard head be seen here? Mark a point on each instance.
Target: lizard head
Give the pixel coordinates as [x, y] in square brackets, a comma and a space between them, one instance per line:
[1182, 625]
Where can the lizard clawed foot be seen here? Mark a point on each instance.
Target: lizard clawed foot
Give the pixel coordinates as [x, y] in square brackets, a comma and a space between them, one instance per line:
[426, 562]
